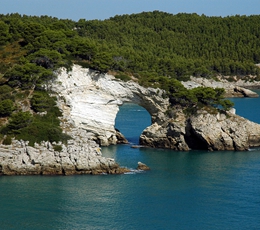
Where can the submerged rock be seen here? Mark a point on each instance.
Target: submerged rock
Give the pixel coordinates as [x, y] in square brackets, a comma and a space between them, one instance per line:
[142, 166]
[137, 146]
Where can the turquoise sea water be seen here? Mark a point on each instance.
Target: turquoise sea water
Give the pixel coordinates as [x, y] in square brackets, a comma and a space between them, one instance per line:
[183, 190]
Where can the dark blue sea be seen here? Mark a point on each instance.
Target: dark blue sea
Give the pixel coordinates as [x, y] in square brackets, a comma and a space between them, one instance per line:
[183, 190]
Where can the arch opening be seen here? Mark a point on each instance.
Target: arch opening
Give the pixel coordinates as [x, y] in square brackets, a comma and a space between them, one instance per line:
[131, 120]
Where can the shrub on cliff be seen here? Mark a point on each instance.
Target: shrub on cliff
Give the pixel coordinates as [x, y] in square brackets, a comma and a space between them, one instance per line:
[6, 107]
[17, 121]
[41, 101]
[57, 148]
[4, 89]
[197, 97]
[212, 97]
[42, 130]
[7, 140]
[123, 77]
[37, 127]
[24, 76]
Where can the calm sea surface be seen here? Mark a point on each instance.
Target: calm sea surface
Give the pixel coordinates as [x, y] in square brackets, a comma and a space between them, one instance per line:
[184, 190]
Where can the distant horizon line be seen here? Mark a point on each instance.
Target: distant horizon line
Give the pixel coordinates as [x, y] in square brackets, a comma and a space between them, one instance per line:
[123, 14]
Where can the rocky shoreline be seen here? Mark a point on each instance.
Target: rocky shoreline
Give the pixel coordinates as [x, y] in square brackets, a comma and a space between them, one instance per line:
[79, 156]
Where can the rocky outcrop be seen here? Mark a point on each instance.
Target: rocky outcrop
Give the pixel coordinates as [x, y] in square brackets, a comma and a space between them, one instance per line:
[232, 89]
[221, 131]
[79, 156]
[241, 92]
[205, 130]
[170, 134]
[121, 138]
[142, 166]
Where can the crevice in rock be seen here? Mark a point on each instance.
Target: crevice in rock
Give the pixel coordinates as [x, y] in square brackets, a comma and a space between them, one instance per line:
[192, 139]
[234, 145]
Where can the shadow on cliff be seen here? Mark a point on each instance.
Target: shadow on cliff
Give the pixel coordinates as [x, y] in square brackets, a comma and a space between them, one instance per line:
[192, 140]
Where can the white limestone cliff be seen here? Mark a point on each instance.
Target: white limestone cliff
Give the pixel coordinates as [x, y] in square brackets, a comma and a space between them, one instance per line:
[91, 101]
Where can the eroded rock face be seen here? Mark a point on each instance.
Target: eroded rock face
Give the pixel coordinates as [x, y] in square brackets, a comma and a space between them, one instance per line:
[170, 134]
[77, 157]
[204, 131]
[91, 101]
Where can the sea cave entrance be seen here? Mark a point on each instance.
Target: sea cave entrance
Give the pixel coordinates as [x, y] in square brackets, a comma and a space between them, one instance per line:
[131, 120]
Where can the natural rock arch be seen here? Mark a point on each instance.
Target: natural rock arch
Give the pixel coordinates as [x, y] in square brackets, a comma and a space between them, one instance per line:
[91, 101]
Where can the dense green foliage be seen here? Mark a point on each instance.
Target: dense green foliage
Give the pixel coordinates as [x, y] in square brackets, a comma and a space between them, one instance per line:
[179, 45]
[6, 107]
[39, 127]
[42, 102]
[156, 48]
[149, 43]
[17, 122]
